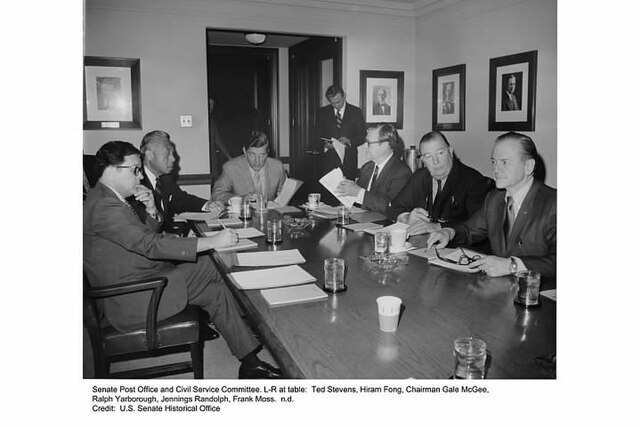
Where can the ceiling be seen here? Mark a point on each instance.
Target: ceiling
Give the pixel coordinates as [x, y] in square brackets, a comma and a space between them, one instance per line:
[236, 38]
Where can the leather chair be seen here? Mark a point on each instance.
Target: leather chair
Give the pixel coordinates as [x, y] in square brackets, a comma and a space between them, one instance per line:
[179, 333]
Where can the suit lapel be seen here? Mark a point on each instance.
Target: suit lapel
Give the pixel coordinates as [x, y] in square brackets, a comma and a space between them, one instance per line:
[446, 191]
[367, 171]
[523, 216]
[382, 174]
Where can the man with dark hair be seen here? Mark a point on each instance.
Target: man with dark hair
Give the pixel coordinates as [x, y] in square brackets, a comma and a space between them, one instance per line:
[339, 130]
[518, 217]
[119, 247]
[444, 192]
[384, 176]
[250, 174]
[158, 157]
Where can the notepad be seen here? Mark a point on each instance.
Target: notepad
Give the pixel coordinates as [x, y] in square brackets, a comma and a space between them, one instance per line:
[243, 233]
[240, 246]
[196, 216]
[362, 226]
[270, 258]
[293, 295]
[396, 226]
[271, 277]
[228, 222]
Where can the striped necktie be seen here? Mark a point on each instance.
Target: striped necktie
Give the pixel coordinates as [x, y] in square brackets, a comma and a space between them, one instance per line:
[338, 119]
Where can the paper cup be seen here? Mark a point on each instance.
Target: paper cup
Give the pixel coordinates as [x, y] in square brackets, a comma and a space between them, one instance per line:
[388, 312]
[398, 238]
[235, 203]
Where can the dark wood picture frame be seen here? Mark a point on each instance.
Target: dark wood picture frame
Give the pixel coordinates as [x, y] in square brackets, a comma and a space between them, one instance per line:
[448, 98]
[390, 86]
[111, 93]
[513, 108]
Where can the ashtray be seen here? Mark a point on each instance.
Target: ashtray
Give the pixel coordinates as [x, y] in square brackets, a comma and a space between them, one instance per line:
[297, 224]
[381, 262]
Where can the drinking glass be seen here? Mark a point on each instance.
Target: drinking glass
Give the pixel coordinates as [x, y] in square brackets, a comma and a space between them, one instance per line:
[470, 355]
[528, 289]
[334, 275]
[343, 215]
[381, 242]
[274, 231]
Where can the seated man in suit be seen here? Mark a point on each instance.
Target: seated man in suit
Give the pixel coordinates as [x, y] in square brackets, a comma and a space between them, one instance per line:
[518, 217]
[384, 176]
[250, 174]
[119, 247]
[158, 158]
[444, 192]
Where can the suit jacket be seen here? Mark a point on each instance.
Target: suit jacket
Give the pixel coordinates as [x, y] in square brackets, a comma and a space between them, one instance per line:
[171, 200]
[119, 247]
[391, 179]
[533, 236]
[353, 127]
[461, 196]
[381, 109]
[236, 179]
[509, 104]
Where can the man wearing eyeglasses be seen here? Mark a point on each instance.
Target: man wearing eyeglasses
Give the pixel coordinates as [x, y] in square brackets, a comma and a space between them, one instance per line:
[381, 178]
[119, 247]
[444, 192]
[159, 157]
[518, 217]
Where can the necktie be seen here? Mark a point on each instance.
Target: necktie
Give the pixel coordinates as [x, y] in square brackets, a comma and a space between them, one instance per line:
[510, 217]
[338, 119]
[435, 196]
[157, 195]
[257, 182]
[374, 177]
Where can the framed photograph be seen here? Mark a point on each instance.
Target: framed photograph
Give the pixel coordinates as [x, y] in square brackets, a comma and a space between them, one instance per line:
[512, 92]
[111, 93]
[382, 96]
[448, 100]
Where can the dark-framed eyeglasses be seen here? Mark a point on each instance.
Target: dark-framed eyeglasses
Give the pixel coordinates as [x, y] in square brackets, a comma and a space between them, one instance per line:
[376, 142]
[136, 169]
[463, 260]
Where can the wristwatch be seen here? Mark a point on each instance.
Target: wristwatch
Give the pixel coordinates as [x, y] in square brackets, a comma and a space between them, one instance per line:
[513, 265]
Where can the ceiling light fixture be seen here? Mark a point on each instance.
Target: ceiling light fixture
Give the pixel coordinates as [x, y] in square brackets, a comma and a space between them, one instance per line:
[255, 38]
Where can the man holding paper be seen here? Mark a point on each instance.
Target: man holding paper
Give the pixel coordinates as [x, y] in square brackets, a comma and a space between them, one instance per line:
[120, 247]
[158, 157]
[250, 174]
[382, 178]
[518, 217]
[339, 130]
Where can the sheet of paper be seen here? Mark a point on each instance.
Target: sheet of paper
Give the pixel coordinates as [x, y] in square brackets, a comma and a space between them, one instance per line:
[240, 246]
[331, 181]
[340, 149]
[270, 258]
[362, 226]
[289, 188]
[550, 293]
[271, 277]
[243, 233]
[195, 216]
[293, 294]
[450, 254]
[388, 228]
[228, 222]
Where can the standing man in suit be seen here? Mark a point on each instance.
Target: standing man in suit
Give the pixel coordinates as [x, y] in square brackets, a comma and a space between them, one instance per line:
[158, 158]
[518, 217]
[384, 176]
[119, 247]
[250, 174]
[509, 99]
[381, 108]
[444, 192]
[339, 130]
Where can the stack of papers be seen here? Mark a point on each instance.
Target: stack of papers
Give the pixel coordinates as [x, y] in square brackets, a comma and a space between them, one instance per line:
[195, 216]
[396, 226]
[271, 277]
[227, 222]
[270, 258]
[243, 233]
[241, 245]
[293, 294]
[363, 226]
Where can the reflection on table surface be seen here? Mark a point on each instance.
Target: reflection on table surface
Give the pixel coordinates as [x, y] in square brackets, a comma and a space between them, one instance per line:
[339, 338]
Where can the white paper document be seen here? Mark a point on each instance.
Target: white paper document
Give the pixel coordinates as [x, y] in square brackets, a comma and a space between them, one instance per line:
[195, 216]
[271, 277]
[293, 294]
[243, 233]
[227, 222]
[388, 228]
[362, 226]
[549, 293]
[331, 181]
[240, 246]
[289, 188]
[270, 258]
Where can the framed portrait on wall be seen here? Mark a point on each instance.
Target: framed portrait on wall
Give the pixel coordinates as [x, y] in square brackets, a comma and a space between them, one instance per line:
[382, 96]
[111, 93]
[512, 92]
[448, 98]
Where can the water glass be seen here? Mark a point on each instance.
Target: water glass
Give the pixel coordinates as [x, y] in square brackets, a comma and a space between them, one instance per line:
[274, 231]
[334, 275]
[470, 356]
[261, 203]
[343, 215]
[381, 242]
[245, 210]
[528, 289]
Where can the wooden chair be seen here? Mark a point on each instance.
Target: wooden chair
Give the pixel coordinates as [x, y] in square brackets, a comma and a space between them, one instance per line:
[179, 333]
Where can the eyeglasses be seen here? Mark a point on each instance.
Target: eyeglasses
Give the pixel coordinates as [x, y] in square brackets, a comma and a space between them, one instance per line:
[136, 169]
[463, 260]
[376, 142]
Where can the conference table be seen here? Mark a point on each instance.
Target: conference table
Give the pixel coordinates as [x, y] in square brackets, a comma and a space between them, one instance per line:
[339, 338]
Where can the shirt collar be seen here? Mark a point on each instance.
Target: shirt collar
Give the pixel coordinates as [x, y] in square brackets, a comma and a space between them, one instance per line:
[382, 164]
[344, 106]
[152, 177]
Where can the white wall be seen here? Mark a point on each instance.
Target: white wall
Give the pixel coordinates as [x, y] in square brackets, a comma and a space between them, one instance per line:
[471, 33]
[169, 38]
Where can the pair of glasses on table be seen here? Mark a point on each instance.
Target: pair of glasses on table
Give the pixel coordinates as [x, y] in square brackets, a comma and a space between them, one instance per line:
[463, 260]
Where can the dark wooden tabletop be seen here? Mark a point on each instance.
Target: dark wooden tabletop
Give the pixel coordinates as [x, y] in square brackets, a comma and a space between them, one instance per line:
[339, 338]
